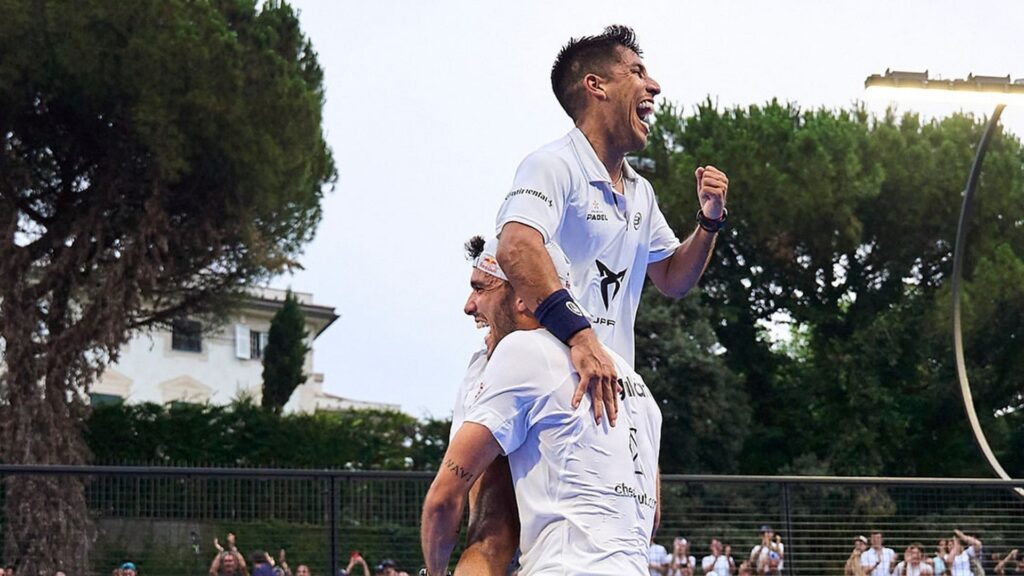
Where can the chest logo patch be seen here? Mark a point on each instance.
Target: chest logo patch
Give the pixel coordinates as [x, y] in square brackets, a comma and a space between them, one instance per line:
[637, 219]
[596, 213]
[611, 282]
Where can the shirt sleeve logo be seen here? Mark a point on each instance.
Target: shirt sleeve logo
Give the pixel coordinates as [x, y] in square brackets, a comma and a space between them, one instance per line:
[534, 193]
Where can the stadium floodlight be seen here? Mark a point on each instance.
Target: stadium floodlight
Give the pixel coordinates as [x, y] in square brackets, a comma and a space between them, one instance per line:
[997, 91]
[987, 90]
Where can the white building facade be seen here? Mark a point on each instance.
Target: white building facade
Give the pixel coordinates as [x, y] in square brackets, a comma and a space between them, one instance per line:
[189, 364]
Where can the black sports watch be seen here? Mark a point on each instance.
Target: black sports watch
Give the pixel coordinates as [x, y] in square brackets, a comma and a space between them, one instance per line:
[713, 226]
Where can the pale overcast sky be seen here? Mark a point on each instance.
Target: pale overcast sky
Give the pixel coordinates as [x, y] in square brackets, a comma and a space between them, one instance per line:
[431, 106]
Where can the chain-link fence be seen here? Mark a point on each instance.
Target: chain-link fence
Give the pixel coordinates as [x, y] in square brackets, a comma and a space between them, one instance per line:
[165, 519]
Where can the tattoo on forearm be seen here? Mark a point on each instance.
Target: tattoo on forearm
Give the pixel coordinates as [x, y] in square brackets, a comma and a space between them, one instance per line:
[459, 472]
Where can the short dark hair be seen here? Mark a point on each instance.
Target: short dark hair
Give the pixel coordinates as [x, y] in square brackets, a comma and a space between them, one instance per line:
[581, 56]
[474, 247]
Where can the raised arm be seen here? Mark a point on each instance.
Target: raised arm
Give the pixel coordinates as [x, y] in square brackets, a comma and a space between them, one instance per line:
[970, 540]
[679, 273]
[471, 451]
[1001, 566]
[215, 565]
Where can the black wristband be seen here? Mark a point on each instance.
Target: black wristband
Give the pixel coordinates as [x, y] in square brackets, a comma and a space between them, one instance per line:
[560, 314]
[710, 225]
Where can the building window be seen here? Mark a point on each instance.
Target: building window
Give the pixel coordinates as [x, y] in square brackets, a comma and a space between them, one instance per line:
[257, 344]
[98, 399]
[187, 336]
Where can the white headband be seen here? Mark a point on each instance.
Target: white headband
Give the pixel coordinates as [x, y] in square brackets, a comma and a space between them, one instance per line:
[488, 262]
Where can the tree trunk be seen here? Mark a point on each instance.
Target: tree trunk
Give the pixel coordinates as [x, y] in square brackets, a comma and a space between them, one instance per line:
[46, 522]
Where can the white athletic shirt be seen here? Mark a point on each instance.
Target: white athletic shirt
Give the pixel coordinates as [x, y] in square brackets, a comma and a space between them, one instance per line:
[961, 565]
[718, 566]
[586, 492]
[757, 552]
[870, 556]
[657, 554]
[470, 387]
[564, 192]
[690, 561]
[905, 569]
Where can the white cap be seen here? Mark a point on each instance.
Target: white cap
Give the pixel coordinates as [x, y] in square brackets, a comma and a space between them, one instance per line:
[488, 262]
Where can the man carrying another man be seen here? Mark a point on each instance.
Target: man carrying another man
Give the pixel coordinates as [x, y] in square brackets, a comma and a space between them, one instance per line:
[579, 193]
[586, 491]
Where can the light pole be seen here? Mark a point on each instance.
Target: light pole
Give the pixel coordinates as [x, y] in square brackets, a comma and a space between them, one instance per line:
[994, 90]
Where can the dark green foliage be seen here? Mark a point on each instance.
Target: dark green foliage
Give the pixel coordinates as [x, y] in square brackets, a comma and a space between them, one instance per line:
[285, 355]
[245, 435]
[156, 158]
[841, 225]
[706, 413]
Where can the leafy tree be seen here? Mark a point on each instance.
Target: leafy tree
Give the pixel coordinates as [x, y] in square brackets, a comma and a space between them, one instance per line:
[156, 158]
[285, 355]
[706, 413]
[842, 226]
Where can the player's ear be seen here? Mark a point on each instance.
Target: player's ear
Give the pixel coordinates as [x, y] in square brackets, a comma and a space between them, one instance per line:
[594, 86]
[521, 307]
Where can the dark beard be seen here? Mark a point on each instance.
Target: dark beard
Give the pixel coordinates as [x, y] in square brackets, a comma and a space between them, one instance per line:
[504, 321]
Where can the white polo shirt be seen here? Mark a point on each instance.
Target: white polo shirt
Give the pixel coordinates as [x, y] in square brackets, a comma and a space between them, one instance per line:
[760, 553]
[658, 555]
[961, 565]
[906, 569]
[586, 492]
[468, 390]
[871, 556]
[718, 566]
[563, 191]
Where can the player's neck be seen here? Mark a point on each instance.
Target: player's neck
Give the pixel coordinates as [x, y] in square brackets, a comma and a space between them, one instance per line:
[601, 141]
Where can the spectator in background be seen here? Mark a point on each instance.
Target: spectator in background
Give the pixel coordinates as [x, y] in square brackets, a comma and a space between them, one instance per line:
[939, 560]
[387, 567]
[878, 560]
[853, 566]
[261, 564]
[228, 563]
[658, 559]
[281, 568]
[60, 573]
[303, 570]
[769, 543]
[680, 562]
[959, 558]
[719, 562]
[1008, 564]
[745, 569]
[912, 565]
[771, 565]
[128, 569]
[354, 560]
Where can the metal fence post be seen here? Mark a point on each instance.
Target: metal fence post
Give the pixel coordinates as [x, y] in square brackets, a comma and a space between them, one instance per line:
[789, 525]
[333, 521]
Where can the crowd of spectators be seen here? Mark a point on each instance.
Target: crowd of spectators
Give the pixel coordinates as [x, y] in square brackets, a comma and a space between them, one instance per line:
[766, 558]
[959, 555]
[230, 562]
